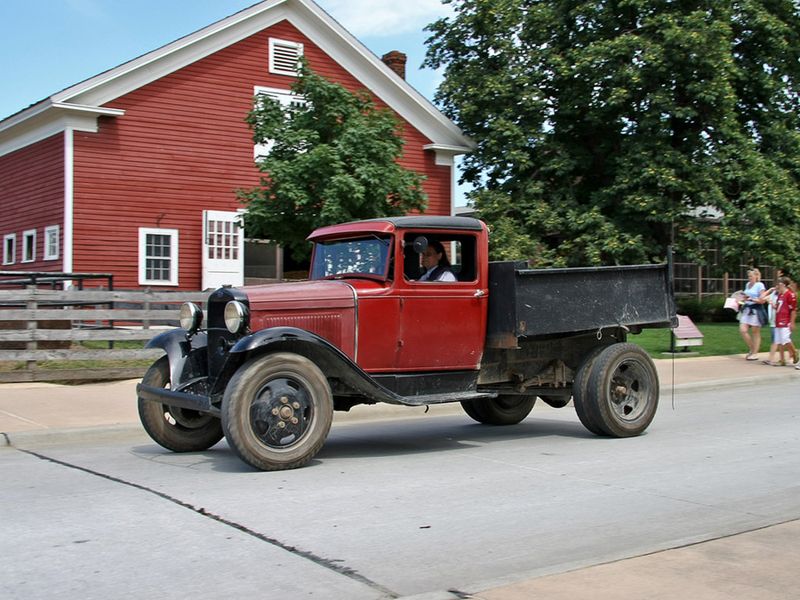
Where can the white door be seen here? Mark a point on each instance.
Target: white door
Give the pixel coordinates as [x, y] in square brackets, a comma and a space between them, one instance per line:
[223, 249]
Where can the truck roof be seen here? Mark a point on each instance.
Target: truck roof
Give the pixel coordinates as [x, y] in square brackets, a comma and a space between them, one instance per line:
[389, 224]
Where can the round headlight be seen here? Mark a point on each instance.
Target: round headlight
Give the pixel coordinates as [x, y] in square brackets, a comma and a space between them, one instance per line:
[235, 316]
[191, 316]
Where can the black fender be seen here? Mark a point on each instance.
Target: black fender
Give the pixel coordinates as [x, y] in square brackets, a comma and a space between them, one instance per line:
[332, 361]
[180, 346]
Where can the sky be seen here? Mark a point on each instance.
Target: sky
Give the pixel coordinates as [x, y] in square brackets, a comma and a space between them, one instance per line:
[49, 45]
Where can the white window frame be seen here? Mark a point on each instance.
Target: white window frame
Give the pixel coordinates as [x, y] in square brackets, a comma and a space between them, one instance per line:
[9, 257]
[143, 258]
[280, 52]
[51, 242]
[286, 99]
[29, 234]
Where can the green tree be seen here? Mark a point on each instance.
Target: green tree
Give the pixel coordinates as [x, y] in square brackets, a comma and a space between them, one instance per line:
[333, 159]
[606, 129]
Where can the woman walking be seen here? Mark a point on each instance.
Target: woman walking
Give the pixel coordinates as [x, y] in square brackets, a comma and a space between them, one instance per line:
[753, 315]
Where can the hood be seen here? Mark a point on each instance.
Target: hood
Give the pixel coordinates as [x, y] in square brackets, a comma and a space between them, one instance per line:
[301, 295]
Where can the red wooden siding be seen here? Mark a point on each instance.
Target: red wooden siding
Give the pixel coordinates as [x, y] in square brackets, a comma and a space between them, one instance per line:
[32, 197]
[183, 147]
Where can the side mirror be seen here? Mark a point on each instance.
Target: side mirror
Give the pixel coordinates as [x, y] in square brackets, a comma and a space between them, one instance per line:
[420, 244]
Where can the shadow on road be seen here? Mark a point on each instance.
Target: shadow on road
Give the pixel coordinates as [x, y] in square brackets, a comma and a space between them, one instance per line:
[381, 439]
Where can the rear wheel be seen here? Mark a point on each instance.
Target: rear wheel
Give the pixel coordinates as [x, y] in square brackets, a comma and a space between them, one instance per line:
[623, 390]
[583, 406]
[176, 429]
[277, 411]
[506, 409]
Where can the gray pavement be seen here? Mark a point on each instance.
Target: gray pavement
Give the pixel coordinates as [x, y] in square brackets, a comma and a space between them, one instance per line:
[756, 564]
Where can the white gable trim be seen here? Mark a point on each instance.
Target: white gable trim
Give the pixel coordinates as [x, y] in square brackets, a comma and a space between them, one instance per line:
[309, 18]
[50, 119]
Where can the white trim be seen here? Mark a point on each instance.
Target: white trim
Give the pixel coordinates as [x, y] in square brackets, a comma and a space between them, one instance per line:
[173, 258]
[9, 258]
[45, 122]
[28, 234]
[49, 231]
[69, 190]
[287, 48]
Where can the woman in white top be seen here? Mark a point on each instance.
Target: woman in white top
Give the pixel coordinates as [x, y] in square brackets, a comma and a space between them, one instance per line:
[750, 322]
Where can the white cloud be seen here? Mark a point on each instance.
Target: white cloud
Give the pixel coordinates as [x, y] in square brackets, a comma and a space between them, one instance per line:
[376, 18]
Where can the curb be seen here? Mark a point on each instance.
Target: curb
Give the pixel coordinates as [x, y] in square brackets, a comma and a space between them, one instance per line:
[358, 414]
[48, 437]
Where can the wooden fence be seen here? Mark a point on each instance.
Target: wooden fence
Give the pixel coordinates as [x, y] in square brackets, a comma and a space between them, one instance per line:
[50, 325]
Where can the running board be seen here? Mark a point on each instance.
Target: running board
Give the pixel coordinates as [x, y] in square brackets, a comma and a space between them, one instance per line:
[444, 398]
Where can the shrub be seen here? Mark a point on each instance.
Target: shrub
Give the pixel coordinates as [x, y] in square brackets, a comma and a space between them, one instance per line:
[705, 310]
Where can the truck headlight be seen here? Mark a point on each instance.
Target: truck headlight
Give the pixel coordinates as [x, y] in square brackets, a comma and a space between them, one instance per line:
[235, 316]
[191, 317]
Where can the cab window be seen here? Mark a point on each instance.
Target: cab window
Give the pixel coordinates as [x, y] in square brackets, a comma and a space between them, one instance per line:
[457, 257]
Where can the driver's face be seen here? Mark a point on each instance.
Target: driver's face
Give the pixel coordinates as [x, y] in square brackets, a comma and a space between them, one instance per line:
[430, 258]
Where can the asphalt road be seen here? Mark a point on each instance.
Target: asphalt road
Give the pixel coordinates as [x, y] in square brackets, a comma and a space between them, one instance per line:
[395, 508]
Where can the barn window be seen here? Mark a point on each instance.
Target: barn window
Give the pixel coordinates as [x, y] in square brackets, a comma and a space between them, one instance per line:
[158, 256]
[29, 245]
[51, 242]
[9, 248]
[284, 57]
[286, 99]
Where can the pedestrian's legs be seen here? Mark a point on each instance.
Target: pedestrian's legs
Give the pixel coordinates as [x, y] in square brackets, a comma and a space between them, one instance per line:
[743, 329]
[773, 346]
[793, 351]
[756, 336]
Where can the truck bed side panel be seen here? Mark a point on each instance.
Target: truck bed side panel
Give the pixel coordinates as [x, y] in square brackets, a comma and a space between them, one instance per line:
[540, 302]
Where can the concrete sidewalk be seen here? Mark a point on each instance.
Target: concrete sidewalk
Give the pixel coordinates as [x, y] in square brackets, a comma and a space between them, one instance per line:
[48, 408]
[760, 564]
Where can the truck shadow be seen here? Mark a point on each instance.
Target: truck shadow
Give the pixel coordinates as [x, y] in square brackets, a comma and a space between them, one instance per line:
[387, 439]
[412, 436]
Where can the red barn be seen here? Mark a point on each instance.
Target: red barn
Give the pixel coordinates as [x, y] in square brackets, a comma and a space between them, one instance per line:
[133, 171]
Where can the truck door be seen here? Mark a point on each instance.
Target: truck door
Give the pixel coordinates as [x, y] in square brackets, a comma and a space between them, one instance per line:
[442, 323]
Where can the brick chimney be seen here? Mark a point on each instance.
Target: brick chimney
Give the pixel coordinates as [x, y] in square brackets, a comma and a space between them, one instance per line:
[396, 61]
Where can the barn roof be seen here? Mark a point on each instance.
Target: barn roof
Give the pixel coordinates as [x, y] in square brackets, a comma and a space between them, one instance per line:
[78, 106]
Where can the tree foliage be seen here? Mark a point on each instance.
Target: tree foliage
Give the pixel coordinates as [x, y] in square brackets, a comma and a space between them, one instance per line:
[332, 159]
[607, 128]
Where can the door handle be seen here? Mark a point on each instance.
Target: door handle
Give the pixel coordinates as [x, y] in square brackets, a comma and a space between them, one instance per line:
[479, 294]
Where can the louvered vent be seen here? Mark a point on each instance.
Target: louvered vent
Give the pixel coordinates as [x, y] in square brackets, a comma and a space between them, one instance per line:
[284, 56]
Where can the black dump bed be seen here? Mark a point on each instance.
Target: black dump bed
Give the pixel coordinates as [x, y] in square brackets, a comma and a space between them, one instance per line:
[539, 302]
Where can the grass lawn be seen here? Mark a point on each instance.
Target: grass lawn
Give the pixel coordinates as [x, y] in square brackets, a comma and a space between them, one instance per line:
[718, 338]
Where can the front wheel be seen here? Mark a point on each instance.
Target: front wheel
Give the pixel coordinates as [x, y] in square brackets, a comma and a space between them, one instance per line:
[506, 409]
[176, 429]
[623, 390]
[277, 411]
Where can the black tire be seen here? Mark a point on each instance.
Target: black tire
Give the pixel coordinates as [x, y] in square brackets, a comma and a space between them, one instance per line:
[176, 429]
[277, 411]
[503, 410]
[580, 394]
[623, 390]
[555, 401]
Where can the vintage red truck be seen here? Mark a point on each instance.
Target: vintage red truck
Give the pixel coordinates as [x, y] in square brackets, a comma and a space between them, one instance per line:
[272, 362]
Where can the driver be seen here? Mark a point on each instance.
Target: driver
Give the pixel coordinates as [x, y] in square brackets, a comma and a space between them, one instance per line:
[437, 267]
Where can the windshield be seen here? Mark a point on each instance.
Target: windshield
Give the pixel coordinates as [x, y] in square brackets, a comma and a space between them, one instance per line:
[358, 256]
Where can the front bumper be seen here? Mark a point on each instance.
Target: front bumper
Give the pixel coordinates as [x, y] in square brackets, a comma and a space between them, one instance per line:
[177, 399]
